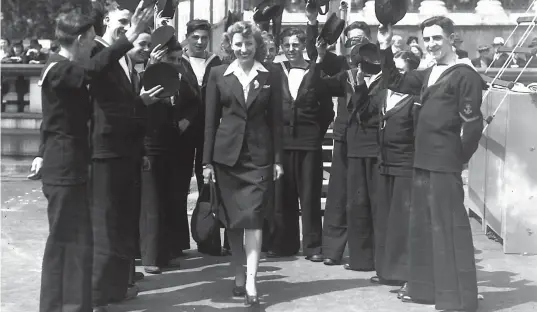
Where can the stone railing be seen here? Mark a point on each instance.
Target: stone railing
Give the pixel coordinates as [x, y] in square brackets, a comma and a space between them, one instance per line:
[20, 92]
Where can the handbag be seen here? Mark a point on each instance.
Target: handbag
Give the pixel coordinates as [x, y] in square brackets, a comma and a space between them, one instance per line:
[205, 222]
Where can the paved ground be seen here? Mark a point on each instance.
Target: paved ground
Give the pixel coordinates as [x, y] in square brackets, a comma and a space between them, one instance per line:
[203, 284]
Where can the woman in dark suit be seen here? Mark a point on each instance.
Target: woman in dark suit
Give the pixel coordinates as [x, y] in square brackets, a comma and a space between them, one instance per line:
[242, 151]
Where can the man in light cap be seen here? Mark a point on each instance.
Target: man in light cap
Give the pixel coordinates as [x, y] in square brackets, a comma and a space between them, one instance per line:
[484, 59]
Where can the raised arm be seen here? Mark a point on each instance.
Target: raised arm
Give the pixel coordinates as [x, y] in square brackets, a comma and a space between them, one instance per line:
[312, 32]
[213, 113]
[409, 83]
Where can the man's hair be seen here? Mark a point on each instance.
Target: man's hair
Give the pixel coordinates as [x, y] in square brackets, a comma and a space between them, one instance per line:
[174, 45]
[410, 39]
[358, 25]
[292, 31]
[71, 25]
[445, 23]
[197, 24]
[410, 58]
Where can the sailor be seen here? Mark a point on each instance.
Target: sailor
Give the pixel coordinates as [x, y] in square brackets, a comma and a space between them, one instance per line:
[442, 264]
[117, 129]
[67, 262]
[306, 120]
[198, 62]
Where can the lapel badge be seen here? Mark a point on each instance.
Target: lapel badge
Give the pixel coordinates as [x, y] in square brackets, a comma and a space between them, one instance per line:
[256, 84]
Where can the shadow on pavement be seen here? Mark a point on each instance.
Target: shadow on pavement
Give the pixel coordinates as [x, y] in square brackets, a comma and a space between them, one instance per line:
[513, 293]
[271, 288]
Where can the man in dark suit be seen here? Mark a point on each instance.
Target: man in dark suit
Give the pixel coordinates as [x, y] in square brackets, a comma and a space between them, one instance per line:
[197, 62]
[484, 59]
[335, 224]
[306, 119]
[117, 129]
[67, 262]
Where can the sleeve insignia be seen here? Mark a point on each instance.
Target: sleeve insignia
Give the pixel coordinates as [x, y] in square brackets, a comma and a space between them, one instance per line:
[468, 109]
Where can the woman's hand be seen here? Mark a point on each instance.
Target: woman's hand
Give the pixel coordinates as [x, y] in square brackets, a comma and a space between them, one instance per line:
[150, 96]
[156, 54]
[208, 174]
[278, 171]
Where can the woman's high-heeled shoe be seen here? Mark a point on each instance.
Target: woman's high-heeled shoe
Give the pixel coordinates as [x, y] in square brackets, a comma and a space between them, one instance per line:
[239, 291]
[250, 300]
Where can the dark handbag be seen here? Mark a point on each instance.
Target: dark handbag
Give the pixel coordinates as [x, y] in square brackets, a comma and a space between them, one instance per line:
[205, 223]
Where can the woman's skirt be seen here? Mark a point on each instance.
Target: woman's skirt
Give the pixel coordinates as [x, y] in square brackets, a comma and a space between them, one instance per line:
[392, 226]
[245, 193]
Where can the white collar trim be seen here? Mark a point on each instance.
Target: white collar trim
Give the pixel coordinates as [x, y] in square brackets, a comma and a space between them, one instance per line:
[234, 66]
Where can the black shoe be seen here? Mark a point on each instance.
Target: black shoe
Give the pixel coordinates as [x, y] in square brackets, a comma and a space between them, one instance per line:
[315, 258]
[239, 291]
[329, 261]
[250, 300]
[273, 254]
[402, 291]
[376, 280]
[348, 267]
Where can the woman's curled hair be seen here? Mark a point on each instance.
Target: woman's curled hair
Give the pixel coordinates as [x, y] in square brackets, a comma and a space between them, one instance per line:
[246, 29]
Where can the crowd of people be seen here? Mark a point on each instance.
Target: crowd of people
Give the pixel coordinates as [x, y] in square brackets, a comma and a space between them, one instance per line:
[116, 160]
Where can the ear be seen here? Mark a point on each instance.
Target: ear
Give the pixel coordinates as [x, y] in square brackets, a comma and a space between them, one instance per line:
[79, 39]
[452, 38]
[106, 20]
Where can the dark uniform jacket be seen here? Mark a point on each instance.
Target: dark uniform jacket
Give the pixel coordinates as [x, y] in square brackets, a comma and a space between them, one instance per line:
[67, 111]
[232, 120]
[306, 118]
[163, 117]
[396, 135]
[452, 101]
[119, 112]
[332, 65]
[198, 99]
[361, 108]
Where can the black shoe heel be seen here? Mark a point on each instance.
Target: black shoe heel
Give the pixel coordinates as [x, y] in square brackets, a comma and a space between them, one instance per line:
[251, 300]
[239, 291]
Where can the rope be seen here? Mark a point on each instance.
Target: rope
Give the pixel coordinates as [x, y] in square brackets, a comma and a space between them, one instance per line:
[513, 32]
[524, 37]
[491, 117]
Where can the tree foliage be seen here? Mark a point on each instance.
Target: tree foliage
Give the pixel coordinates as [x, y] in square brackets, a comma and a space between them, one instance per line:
[23, 19]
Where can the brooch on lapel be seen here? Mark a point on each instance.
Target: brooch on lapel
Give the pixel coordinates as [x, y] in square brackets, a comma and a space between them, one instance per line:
[179, 75]
[256, 84]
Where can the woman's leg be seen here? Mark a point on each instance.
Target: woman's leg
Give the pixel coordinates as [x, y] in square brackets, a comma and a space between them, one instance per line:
[253, 240]
[236, 242]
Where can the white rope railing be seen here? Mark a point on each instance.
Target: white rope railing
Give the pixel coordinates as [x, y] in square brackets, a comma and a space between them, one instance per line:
[521, 41]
